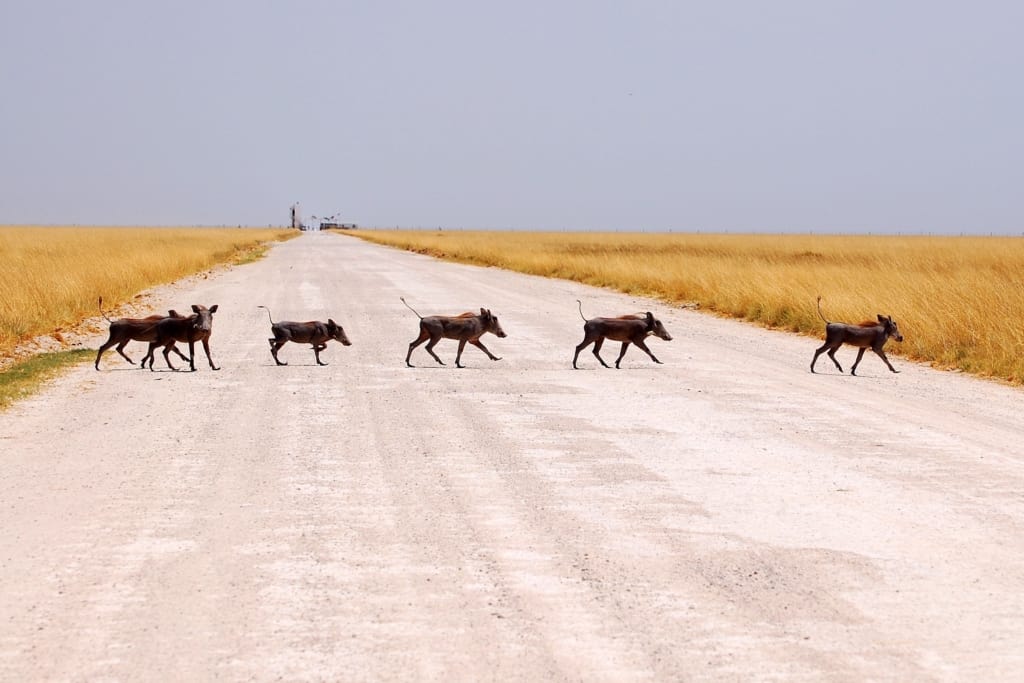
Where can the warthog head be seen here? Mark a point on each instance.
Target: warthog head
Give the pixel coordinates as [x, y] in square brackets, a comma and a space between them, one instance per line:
[491, 323]
[336, 332]
[890, 328]
[204, 317]
[655, 327]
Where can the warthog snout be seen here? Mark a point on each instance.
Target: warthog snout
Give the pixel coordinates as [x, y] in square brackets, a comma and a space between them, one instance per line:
[204, 319]
[660, 331]
[337, 333]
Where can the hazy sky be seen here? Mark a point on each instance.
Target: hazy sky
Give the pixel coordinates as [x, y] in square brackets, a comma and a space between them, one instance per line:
[795, 115]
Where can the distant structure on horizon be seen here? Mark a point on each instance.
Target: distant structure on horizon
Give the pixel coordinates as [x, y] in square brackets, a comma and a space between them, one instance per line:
[323, 223]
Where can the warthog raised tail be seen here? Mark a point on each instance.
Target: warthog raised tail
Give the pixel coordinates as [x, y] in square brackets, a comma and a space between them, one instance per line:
[124, 330]
[468, 327]
[868, 334]
[196, 327]
[314, 332]
[628, 329]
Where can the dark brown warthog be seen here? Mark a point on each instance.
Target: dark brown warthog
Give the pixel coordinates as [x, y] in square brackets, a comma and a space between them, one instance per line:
[865, 335]
[468, 327]
[314, 332]
[628, 329]
[196, 327]
[124, 330]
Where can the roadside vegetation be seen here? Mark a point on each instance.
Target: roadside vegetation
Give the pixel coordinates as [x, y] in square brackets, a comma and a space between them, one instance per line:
[25, 377]
[51, 277]
[959, 301]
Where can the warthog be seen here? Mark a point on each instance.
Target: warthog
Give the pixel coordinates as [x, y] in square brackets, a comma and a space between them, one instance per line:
[468, 327]
[314, 332]
[868, 334]
[124, 330]
[196, 327]
[628, 329]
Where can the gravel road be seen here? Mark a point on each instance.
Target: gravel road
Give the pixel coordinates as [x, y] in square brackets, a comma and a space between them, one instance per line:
[724, 516]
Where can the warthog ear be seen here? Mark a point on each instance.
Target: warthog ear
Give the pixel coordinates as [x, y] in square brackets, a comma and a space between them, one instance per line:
[331, 323]
[195, 309]
[650, 319]
[213, 308]
[882, 318]
[483, 312]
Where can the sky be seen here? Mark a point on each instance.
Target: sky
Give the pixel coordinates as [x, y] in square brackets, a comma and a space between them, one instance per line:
[881, 116]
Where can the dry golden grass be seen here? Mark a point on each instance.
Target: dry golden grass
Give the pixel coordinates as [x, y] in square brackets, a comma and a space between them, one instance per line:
[959, 301]
[50, 278]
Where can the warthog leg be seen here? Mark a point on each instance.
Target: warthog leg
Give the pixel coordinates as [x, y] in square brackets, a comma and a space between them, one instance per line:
[860, 354]
[430, 349]
[480, 345]
[587, 341]
[640, 345]
[458, 354]
[317, 348]
[881, 354]
[120, 350]
[275, 346]
[576, 356]
[475, 342]
[206, 348]
[622, 352]
[167, 357]
[597, 347]
[173, 348]
[150, 356]
[424, 336]
[831, 354]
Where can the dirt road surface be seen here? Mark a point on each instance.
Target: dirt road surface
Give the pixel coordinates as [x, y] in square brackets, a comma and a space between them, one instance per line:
[724, 516]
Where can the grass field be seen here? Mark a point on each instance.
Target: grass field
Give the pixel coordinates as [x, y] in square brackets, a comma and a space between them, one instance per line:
[51, 277]
[959, 301]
